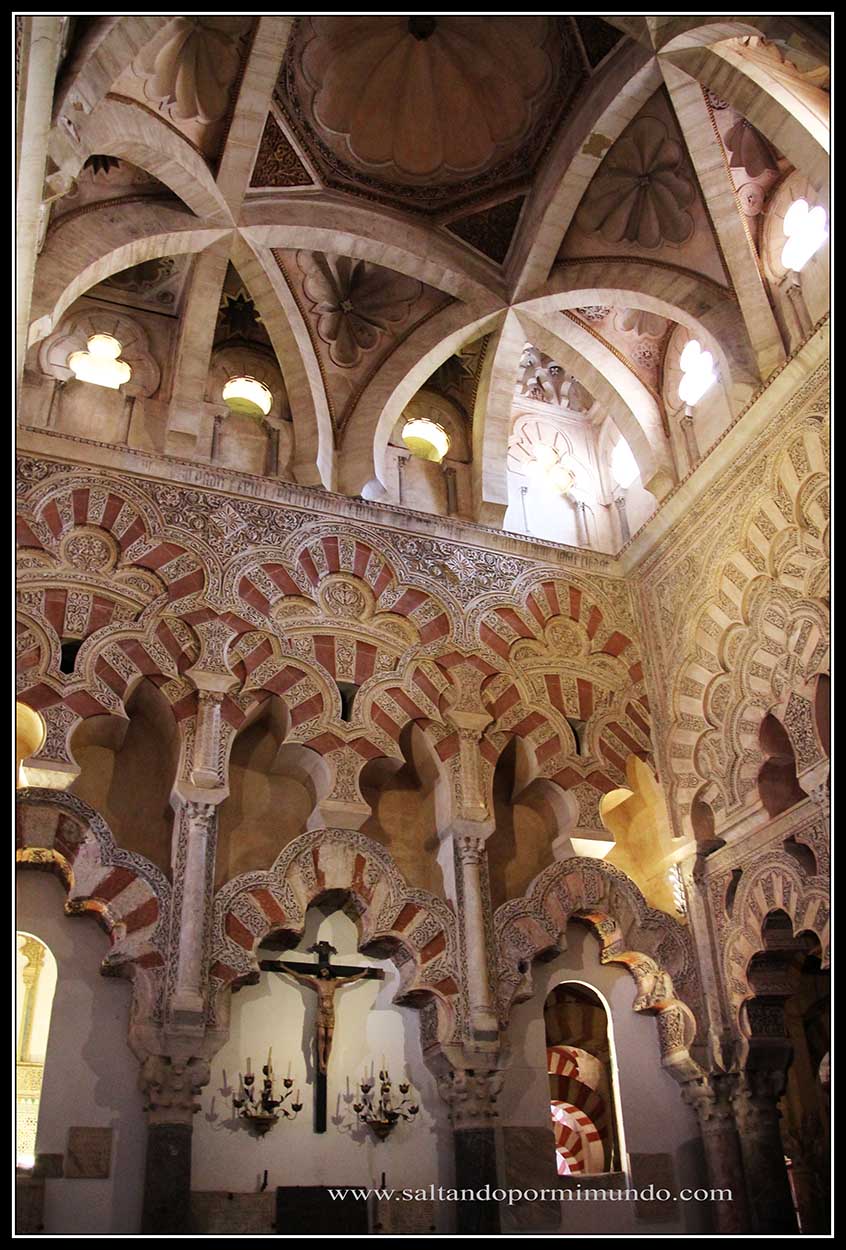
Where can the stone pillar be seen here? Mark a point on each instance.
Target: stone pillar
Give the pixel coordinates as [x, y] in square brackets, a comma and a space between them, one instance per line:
[34, 114]
[170, 1091]
[402, 461]
[793, 285]
[470, 855]
[755, 1103]
[196, 830]
[204, 774]
[471, 1095]
[218, 420]
[689, 435]
[625, 532]
[271, 455]
[451, 490]
[711, 1099]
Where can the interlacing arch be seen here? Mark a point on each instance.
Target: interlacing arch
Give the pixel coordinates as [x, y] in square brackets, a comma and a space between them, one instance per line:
[655, 949]
[412, 926]
[127, 894]
[761, 633]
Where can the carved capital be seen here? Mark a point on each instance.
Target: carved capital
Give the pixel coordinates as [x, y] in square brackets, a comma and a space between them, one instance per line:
[170, 1088]
[470, 849]
[471, 1095]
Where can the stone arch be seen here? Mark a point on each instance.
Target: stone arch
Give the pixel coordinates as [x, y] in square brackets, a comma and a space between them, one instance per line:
[709, 310]
[381, 403]
[105, 240]
[120, 129]
[372, 234]
[794, 128]
[128, 895]
[655, 949]
[314, 435]
[627, 81]
[108, 49]
[410, 925]
[776, 882]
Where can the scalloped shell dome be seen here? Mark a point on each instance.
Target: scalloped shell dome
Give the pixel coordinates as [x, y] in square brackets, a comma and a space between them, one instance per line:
[421, 99]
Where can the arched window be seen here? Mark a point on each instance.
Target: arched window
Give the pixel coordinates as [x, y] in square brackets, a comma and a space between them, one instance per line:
[36, 985]
[583, 1096]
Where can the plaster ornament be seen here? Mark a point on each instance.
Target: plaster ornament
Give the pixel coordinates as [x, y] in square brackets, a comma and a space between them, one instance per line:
[642, 323]
[594, 312]
[640, 194]
[749, 150]
[190, 66]
[355, 302]
[427, 97]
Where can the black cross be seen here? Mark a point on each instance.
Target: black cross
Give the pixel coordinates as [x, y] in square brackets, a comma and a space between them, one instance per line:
[323, 970]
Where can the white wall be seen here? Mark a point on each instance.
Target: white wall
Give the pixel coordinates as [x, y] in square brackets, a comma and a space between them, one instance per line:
[90, 1074]
[655, 1120]
[280, 1013]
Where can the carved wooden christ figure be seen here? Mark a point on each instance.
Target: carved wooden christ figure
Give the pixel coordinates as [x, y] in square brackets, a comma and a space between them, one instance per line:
[324, 978]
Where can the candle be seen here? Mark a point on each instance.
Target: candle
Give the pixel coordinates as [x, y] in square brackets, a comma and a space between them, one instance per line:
[269, 1053]
[249, 1066]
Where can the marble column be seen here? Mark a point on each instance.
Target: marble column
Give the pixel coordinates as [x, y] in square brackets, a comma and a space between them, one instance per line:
[204, 772]
[196, 828]
[34, 112]
[688, 430]
[711, 1099]
[471, 1095]
[170, 1089]
[470, 856]
[755, 1104]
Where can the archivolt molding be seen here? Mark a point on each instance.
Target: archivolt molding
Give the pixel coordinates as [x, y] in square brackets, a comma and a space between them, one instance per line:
[128, 895]
[656, 949]
[415, 928]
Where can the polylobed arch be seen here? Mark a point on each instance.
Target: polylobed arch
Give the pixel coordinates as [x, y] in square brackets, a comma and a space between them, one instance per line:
[353, 870]
[126, 893]
[656, 949]
[776, 882]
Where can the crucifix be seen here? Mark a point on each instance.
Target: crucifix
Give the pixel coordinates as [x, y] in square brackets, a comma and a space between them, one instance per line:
[324, 978]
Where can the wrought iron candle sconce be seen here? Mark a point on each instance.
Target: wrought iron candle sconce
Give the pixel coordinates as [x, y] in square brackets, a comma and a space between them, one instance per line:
[260, 1108]
[377, 1107]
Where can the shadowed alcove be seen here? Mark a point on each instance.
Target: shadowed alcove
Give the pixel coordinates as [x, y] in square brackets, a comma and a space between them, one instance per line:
[402, 798]
[274, 789]
[127, 770]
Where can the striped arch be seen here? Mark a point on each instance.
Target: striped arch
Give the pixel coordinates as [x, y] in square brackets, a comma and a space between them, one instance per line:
[763, 629]
[774, 883]
[393, 919]
[655, 948]
[556, 637]
[109, 666]
[128, 895]
[578, 1142]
